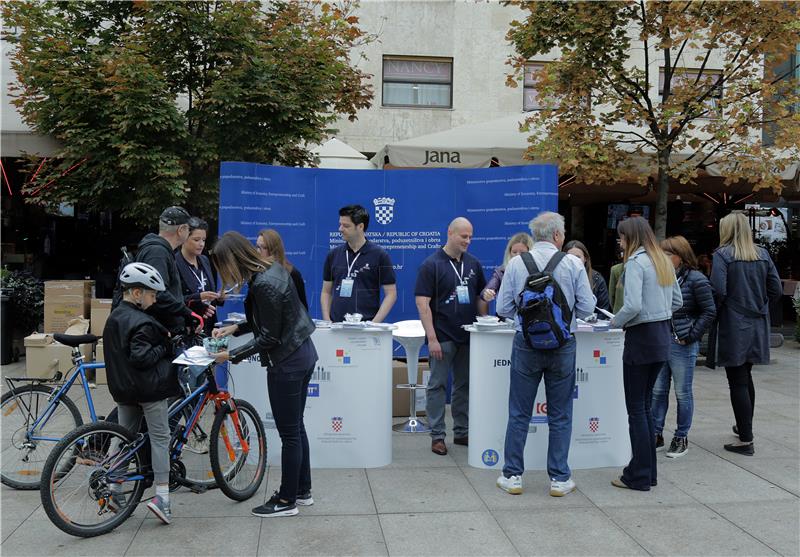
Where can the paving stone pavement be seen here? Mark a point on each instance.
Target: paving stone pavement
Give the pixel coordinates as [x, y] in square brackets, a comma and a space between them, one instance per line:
[709, 502]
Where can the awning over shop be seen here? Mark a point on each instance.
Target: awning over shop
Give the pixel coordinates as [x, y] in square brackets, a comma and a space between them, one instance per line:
[475, 145]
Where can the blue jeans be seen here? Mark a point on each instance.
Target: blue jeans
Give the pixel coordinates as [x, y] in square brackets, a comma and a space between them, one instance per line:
[641, 472]
[455, 357]
[527, 368]
[680, 367]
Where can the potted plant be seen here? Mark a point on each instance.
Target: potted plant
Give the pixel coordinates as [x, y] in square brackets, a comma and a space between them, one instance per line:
[25, 305]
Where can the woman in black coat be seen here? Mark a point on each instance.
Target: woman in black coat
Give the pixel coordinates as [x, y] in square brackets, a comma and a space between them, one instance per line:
[745, 283]
[688, 325]
[197, 277]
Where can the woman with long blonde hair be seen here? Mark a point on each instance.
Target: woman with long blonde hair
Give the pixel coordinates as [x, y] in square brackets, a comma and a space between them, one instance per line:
[519, 243]
[651, 294]
[745, 283]
[282, 332]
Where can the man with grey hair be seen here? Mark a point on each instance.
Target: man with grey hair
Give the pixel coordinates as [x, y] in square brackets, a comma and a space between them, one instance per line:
[447, 295]
[158, 250]
[529, 365]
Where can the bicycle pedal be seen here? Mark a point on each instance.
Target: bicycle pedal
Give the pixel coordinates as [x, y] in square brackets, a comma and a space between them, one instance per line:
[198, 488]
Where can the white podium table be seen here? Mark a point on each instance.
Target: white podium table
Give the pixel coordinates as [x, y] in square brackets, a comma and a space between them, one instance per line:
[348, 415]
[599, 419]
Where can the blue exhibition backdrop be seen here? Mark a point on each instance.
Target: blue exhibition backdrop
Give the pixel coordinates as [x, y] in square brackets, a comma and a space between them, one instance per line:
[409, 213]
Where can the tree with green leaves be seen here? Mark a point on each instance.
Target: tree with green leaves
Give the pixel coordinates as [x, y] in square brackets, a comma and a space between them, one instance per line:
[647, 88]
[146, 98]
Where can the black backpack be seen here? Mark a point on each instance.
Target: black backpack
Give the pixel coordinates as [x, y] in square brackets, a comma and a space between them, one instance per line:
[544, 313]
[118, 291]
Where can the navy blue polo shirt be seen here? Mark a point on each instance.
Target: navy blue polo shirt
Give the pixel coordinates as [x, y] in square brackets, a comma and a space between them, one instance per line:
[437, 279]
[371, 270]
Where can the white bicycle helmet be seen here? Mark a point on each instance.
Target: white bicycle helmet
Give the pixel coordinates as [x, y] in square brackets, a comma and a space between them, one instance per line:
[143, 276]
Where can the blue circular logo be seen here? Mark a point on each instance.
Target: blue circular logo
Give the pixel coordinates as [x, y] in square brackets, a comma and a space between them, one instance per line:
[490, 457]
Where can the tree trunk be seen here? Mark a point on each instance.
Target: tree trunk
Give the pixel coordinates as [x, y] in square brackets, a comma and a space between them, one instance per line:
[662, 190]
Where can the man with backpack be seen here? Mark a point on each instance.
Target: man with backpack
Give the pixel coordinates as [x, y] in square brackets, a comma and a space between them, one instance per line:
[543, 290]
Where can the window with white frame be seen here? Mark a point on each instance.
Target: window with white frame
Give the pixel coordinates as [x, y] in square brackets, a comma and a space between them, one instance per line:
[414, 81]
[688, 76]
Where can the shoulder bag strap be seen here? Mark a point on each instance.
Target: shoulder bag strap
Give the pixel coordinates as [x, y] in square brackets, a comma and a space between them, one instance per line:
[554, 261]
[530, 263]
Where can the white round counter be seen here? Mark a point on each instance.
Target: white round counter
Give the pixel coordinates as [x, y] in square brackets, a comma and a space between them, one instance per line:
[599, 419]
[348, 415]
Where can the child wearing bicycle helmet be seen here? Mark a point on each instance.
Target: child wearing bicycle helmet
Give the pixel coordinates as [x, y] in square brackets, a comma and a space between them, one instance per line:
[141, 377]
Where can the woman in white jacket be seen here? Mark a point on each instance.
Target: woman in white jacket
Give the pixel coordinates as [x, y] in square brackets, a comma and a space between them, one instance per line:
[651, 294]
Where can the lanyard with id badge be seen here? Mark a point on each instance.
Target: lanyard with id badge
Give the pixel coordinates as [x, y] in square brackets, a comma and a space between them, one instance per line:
[346, 288]
[462, 291]
[201, 280]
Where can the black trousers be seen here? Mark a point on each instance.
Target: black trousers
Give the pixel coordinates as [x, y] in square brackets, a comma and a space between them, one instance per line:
[743, 398]
[288, 401]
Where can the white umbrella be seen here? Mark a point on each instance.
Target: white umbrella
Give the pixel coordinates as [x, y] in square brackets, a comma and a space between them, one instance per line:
[338, 154]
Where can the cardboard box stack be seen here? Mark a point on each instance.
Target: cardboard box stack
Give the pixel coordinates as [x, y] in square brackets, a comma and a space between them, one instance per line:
[100, 374]
[44, 357]
[100, 310]
[400, 397]
[65, 300]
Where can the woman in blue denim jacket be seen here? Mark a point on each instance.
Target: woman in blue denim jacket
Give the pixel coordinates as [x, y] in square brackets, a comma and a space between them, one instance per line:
[688, 323]
[651, 294]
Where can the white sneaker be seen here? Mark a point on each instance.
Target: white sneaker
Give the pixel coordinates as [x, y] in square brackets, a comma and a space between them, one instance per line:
[512, 485]
[559, 489]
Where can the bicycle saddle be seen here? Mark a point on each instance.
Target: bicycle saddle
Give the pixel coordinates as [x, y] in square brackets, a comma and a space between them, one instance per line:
[75, 340]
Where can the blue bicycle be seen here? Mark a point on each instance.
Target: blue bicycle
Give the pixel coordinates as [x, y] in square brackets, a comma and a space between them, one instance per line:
[36, 416]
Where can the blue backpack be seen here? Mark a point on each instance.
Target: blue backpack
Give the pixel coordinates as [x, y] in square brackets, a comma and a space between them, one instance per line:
[544, 313]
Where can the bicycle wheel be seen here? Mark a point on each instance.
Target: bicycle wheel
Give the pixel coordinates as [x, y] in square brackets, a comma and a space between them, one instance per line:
[78, 475]
[238, 473]
[194, 454]
[23, 458]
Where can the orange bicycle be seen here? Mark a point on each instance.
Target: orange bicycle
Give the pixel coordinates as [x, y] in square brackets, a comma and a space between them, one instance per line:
[79, 472]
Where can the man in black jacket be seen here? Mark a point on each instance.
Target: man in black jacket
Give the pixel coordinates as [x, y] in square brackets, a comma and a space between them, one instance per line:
[140, 375]
[158, 250]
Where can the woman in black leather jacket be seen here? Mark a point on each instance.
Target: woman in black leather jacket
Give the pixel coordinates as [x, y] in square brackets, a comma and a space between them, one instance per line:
[688, 325]
[282, 332]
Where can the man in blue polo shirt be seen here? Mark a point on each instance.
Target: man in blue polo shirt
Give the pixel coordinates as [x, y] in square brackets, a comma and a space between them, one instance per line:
[447, 294]
[355, 272]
